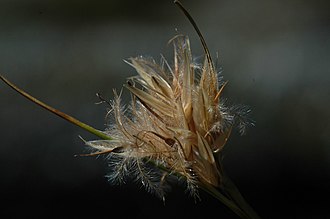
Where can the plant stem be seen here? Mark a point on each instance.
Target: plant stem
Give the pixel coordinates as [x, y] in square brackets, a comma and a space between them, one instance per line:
[233, 198]
[65, 116]
[229, 203]
[234, 193]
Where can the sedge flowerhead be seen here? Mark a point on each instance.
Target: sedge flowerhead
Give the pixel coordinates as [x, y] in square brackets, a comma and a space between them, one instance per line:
[176, 121]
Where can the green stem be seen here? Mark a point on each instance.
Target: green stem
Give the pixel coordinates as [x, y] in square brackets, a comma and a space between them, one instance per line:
[233, 198]
[234, 193]
[65, 116]
[226, 201]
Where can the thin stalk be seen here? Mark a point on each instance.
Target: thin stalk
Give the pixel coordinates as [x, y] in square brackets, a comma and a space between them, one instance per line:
[65, 116]
[226, 201]
[233, 198]
[234, 193]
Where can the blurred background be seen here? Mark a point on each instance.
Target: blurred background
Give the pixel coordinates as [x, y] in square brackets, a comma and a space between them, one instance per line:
[275, 54]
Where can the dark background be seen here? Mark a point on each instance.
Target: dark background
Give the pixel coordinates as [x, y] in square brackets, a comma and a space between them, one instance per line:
[275, 54]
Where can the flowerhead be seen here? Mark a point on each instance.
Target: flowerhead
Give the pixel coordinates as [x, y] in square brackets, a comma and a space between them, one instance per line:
[176, 124]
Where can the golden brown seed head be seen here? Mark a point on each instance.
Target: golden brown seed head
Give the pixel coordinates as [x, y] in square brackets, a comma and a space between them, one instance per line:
[175, 119]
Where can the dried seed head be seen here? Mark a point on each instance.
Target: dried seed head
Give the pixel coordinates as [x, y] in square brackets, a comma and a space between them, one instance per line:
[175, 120]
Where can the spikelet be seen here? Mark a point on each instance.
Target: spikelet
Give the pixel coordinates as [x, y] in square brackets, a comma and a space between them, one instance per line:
[175, 121]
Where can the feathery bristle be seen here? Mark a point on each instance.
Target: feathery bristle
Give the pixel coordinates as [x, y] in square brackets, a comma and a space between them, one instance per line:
[174, 120]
